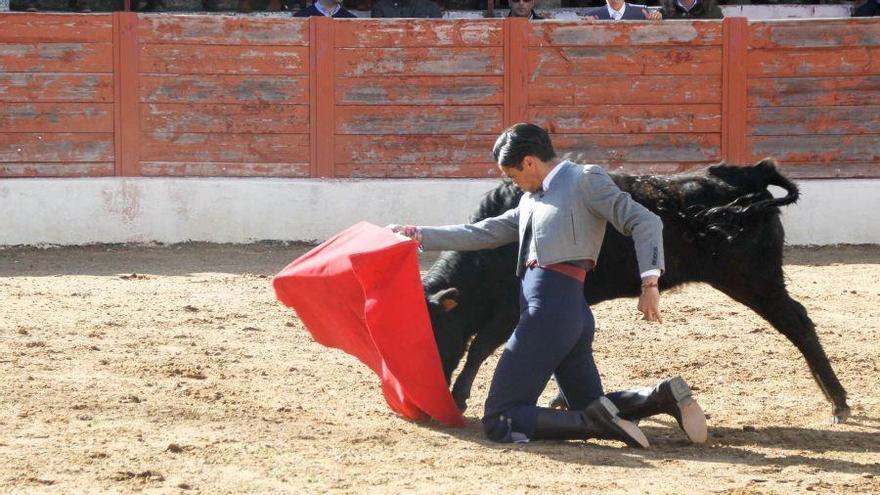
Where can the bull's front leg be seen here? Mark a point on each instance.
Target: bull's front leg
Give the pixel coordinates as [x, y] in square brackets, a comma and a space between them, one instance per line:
[487, 339]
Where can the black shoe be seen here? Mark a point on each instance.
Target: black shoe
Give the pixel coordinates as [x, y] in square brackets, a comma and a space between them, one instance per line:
[672, 396]
[598, 420]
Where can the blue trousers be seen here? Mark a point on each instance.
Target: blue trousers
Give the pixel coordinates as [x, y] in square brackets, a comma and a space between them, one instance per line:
[554, 337]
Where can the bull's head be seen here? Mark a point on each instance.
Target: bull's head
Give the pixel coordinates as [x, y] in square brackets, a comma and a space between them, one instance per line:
[449, 330]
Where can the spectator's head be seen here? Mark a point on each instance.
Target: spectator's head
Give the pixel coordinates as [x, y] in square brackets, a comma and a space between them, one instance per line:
[615, 4]
[521, 8]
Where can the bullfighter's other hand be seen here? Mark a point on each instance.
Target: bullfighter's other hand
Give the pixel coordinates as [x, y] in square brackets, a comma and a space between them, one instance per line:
[410, 231]
[649, 301]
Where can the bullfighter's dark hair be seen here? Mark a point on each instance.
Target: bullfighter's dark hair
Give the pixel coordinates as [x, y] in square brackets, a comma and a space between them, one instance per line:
[522, 140]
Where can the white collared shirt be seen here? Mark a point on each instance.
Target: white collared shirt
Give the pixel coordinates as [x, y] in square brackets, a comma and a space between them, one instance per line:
[616, 14]
[546, 185]
[685, 8]
[327, 14]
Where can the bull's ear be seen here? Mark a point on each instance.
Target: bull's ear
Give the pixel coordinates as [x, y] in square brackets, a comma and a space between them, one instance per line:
[448, 298]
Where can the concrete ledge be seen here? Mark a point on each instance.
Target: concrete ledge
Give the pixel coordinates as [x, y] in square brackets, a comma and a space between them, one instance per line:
[111, 210]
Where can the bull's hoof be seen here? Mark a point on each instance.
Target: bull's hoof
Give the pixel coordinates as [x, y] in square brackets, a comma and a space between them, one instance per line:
[840, 414]
[558, 402]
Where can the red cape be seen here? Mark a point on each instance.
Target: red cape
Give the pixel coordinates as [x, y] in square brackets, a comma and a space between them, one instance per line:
[361, 292]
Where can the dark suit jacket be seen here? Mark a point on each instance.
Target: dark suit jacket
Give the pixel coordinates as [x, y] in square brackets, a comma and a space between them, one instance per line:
[703, 9]
[632, 13]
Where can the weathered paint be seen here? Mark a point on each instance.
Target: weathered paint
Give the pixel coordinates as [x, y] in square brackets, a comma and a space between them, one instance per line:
[223, 169]
[814, 91]
[211, 88]
[29, 147]
[627, 148]
[57, 57]
[452, 90]
[403, 120]
[825, 33]
[604, 34]
[398, 33]
[627, 118]
[831, 149]
[56, 117]
[585, 61]
[354, 62]
[223, 30]
[786, 121]
[37, 87]
[416, 170]
[414, 149]
[66, 169]
[55, 28]
[214, 147]
[624, 90]
[252, 118]
[223, 59]
[854, 61]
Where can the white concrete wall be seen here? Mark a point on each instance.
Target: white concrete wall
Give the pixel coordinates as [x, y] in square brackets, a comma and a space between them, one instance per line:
[82, 211]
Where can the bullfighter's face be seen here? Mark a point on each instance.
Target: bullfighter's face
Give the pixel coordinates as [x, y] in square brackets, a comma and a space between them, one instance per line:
[529, 178]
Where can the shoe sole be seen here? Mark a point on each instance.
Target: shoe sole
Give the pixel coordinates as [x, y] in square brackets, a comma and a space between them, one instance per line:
[631, 429]
[693, 419]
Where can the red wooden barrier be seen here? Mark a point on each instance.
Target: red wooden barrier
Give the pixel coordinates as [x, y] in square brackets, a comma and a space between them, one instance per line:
[158, 95]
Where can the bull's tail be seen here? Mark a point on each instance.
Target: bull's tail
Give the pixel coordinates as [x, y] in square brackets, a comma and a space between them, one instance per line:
[761, 175]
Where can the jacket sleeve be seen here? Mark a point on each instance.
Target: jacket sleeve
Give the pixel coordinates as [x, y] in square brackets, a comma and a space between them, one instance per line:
[485, 234]
[630, 218]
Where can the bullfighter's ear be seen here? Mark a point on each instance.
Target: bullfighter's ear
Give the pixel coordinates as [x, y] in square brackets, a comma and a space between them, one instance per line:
[448, 298]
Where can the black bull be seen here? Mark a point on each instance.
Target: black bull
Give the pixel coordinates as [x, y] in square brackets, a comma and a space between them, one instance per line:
[721, 227]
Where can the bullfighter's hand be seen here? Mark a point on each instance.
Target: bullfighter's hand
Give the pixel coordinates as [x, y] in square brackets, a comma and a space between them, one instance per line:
[410, 231]
[649, 302]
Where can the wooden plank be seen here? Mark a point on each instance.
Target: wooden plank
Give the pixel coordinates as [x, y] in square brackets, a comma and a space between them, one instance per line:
[32, 169]
[354, 62]
[632, 90]
[654, 168]
[454, 90]
[415, 170]
[516, 62]
[23, 87]
[243, 148]
[399, 33]
[787, 121]
[223, 169]
[814, 91]
[814, 33]
[855, 61]
[223, 89]
[56, 117]
[125, 85]
[56, 147]
[613, 61]
[55, 28]
[835, 170]
[608, 34]
[321, 90]
[413, 149]
[734, 90]
[57, 57]
[627, 118]
[253, 118]
[817, 148]
[627, 148]
[419, 120]
[224, 59]
[223, 30]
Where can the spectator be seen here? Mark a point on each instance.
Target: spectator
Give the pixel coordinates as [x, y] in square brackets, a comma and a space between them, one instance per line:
[326, 8]
[616, 10]
[523, 8]
[406, 8]
[691, 9]
[866, 8]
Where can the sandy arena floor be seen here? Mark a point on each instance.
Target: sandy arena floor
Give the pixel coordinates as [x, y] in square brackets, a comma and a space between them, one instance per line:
[174, 370]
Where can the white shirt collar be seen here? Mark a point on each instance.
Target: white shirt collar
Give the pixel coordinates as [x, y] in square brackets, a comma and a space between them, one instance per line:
[685, 8]
[612, 12]
[546, 182]
[327, 14]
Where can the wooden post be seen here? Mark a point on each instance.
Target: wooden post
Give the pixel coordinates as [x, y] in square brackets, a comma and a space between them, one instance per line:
[126, 107]
[515, 70]
[322, 74]
[734, 90]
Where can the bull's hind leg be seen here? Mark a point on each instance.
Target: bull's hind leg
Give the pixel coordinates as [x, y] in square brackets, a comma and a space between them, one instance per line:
[790, 318]
[489, 338]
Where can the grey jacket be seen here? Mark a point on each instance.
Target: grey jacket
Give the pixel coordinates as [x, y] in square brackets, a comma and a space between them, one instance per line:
[569, 222]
